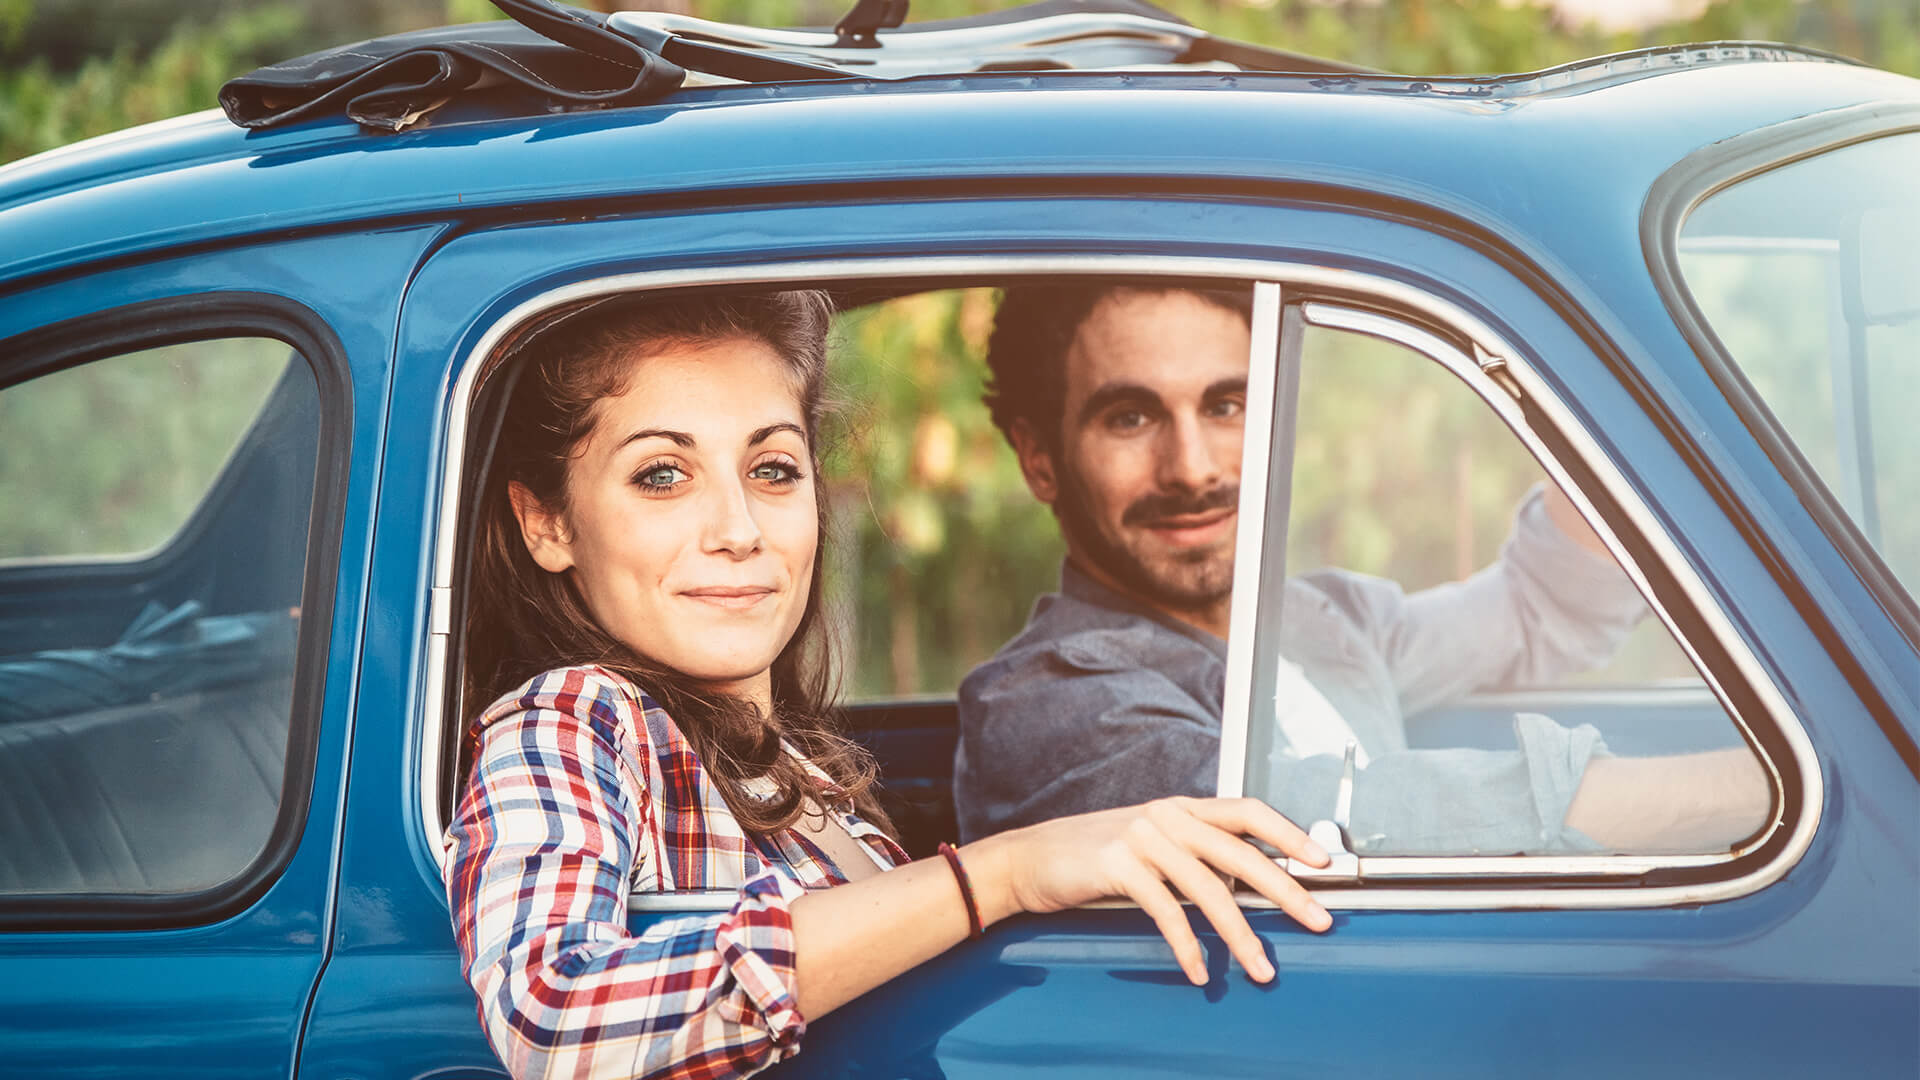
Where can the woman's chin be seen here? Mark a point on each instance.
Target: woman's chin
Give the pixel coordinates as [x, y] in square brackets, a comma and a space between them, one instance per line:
[714, 645]
[738, 662]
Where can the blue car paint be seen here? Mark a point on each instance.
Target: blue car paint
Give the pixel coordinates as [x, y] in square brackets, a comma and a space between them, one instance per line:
[225, 999]
[1471, 152]
[1821, 966]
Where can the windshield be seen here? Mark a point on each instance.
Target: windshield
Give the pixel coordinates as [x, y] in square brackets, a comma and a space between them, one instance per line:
[1809, 273]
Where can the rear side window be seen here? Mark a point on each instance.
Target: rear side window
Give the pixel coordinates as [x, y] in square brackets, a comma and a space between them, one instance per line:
[113, 456]
[153, 552]
[1808, 274]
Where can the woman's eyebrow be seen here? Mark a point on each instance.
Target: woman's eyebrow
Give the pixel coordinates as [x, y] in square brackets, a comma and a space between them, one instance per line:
[767, 432]
[680, 438]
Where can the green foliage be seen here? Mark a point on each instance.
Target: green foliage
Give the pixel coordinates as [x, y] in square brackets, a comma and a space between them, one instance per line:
[941, 548]
[40, 110]
[465, 11]
[13, 19]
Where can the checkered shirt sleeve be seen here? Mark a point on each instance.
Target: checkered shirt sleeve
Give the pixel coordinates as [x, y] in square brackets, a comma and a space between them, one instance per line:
[542, 849]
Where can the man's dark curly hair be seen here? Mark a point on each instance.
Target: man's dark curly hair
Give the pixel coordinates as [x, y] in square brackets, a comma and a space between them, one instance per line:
[1032, 330]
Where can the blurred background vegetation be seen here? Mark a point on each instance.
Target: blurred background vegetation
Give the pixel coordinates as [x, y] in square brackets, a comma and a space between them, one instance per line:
[939, 547]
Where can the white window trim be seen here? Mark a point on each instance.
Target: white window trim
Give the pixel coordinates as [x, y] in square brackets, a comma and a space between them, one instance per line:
[1491, 354]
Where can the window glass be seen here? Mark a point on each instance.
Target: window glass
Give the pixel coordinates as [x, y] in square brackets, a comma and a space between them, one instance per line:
[1504, 687]
[145, 704]
[939, 546]
[1810, 276]
[173, 415]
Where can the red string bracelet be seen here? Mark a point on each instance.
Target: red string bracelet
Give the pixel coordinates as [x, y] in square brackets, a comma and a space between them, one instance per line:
[975, 930]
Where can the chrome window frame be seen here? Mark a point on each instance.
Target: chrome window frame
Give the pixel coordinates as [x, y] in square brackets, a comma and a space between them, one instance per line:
[1493, 370]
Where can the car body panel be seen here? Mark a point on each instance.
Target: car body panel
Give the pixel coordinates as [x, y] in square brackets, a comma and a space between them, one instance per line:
[225, 999]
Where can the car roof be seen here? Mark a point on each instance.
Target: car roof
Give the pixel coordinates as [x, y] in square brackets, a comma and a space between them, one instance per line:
[1506, 152]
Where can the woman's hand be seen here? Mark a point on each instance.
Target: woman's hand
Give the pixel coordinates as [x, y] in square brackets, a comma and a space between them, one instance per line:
[1138, 852]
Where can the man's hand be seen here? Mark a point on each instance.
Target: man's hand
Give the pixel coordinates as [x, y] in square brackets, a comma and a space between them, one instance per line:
[1560, 511]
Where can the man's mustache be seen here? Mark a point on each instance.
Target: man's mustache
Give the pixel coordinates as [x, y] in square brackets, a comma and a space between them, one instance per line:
[1151, 508]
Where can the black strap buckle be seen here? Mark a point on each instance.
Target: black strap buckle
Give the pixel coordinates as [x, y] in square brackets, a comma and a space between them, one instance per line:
[857, 28]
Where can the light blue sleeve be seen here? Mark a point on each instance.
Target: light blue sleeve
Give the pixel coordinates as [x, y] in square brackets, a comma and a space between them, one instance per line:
[1545, 609]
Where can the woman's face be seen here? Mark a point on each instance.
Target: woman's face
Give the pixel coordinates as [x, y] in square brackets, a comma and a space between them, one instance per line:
[691, 524]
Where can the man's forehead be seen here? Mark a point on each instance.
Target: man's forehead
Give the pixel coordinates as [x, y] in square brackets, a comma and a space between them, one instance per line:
[1173, 343]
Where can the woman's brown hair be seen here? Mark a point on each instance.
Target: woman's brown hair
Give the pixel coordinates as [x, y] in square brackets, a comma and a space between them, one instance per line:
[522, 620]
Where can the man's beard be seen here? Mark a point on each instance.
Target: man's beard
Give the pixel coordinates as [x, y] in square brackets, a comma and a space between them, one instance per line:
[1182, 581]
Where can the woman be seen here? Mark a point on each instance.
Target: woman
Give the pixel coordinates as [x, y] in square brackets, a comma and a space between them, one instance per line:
[646, 610]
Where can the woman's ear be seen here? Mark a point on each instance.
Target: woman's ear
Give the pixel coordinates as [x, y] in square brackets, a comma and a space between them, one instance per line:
[1036, 461]
[544, 531]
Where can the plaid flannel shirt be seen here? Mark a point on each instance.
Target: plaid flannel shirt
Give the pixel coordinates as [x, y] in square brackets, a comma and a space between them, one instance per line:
[584, 792]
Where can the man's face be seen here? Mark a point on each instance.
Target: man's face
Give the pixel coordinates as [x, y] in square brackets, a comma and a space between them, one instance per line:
[1147, 480]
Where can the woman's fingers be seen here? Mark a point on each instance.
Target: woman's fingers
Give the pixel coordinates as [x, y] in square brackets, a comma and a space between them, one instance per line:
[1182, 842]
[1144, 887]
[1161, 839]
[1251, 817]
[1239, 859]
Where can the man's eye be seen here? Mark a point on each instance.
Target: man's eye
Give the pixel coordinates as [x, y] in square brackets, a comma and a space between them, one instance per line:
[659, 477]
[1226, 408]
[1126, 419]
[775, 472]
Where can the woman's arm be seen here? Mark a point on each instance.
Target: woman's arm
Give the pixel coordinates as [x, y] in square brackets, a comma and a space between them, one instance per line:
[852, 938]
[548, 834]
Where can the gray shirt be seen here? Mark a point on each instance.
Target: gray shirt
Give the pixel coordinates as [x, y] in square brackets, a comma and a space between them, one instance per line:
[1103, 702]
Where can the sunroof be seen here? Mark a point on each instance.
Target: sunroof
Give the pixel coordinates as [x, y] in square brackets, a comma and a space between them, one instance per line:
[1050, 35]
[554, 57]
[557, 56]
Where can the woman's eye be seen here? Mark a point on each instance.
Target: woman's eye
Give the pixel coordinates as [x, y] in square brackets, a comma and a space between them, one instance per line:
[775, 472]
[659, 476]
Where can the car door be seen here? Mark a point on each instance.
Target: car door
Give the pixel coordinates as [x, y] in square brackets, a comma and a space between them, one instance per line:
[187, 465]
[1518, 963]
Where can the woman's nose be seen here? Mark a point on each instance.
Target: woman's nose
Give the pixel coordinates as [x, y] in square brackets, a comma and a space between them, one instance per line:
[731, 528]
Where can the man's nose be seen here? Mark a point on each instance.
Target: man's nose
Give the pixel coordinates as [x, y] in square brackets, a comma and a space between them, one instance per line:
[1190, 459]
[730, 526]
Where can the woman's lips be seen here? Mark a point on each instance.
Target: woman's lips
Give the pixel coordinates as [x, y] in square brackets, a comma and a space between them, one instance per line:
[732, 597]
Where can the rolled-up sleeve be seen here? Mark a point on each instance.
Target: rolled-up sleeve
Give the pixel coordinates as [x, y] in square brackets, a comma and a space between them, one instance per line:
[542, 848]
[1546, 609]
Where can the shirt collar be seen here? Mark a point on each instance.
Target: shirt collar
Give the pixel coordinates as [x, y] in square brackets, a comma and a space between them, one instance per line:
[1076, 584]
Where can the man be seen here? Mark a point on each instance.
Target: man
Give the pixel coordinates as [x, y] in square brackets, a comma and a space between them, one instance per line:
[1124, 406]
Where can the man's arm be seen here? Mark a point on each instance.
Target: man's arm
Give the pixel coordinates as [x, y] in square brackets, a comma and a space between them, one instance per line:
[1551, 605]
[1559, 792]
[1680, 803]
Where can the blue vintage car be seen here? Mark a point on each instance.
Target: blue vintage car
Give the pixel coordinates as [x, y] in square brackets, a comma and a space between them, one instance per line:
[248, 380]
